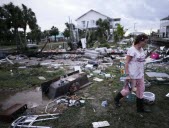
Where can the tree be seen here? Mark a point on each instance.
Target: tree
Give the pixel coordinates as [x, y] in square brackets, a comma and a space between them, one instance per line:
[13, 16]
[103, 29]
[35, 35]
[28, 18]
[66, 33]
[11, 19]
[119, 33]
[54, 31]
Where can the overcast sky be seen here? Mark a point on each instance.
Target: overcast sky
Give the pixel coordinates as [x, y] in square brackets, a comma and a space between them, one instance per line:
[144, 14]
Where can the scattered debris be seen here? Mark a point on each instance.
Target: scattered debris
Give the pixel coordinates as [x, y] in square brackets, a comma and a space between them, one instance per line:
[147, 83]
[89, 66]
[67, 84]
[97, 79]
[157, 74]
[100, 124]
[63, 102]
[12, 112]
[167, 95]
[42, 78]
[28, 121]
[104, 103]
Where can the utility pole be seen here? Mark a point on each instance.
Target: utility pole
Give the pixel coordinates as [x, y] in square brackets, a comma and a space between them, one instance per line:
[135, 27]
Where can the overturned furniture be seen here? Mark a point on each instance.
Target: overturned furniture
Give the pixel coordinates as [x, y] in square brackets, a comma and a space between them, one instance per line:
[27, 121]
[12, 112]
[66, 84]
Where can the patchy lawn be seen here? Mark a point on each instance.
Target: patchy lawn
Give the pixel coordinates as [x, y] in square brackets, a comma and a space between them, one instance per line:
[14, 78]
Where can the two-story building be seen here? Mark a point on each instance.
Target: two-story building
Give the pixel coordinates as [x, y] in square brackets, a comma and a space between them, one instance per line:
[164, 27]
[88, 20]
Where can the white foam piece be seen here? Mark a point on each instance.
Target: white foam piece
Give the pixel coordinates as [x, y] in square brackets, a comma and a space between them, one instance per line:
[167, 95]
[100, 124]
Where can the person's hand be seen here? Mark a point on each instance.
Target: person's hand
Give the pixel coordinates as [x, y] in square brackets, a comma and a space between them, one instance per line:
[128, 78]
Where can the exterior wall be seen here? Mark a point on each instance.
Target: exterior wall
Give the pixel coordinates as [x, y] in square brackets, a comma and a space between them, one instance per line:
[115, 24]
[91, 18]
[164, 28]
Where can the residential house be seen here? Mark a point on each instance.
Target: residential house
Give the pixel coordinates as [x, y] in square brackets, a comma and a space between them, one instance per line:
[164, 27]
[88, 20]
[59, 37]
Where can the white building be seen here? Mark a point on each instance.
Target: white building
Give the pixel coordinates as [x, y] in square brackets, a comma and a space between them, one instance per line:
[164, 27]
[88, 20]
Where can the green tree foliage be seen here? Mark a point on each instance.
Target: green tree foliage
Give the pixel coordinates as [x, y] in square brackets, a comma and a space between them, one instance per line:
[119, 33]
[66, 33]
[13, 18]
[54, 31]
[35, 35]
[28, 19]
[103, 30]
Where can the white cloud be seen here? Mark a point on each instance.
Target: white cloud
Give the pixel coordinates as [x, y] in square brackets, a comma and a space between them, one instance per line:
[145, 13]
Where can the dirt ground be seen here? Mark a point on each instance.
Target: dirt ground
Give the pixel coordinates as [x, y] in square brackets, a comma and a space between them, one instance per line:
[123, 117]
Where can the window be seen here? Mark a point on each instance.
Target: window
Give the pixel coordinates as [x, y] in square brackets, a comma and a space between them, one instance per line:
[93, 23]
[83, 24]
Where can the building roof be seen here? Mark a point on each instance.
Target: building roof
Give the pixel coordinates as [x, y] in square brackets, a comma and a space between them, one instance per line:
[95, 12]
[166, 18]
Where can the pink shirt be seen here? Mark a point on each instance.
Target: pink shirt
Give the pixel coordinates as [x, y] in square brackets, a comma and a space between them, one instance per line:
[136, 65]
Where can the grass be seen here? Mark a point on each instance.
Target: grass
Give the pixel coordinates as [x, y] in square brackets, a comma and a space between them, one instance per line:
[24, 78]
[53, 45]
[92, 111]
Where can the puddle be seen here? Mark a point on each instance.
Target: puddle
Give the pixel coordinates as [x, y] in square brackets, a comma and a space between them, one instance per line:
[31, 97]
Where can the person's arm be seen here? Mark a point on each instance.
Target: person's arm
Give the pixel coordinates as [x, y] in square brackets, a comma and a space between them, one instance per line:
[128, 59]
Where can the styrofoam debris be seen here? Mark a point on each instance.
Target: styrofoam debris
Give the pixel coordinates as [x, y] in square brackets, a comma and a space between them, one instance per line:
[22, 67]
[42, 78]
[45, 64]
[160, 79]
[107, 75]
[77, 68]
[97, 79]
[97, 71]
[167, 95]
[89, 66]
[100, 124]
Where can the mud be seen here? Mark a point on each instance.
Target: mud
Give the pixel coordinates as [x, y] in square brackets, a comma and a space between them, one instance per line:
[32, 97]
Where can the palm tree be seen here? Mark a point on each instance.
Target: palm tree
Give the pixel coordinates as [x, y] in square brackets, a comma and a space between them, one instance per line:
[13, 15]
[54, 31]
[35, 34]
[28, 18]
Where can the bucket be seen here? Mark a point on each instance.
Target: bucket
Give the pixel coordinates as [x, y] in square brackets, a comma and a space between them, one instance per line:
[131, 97]
[149, 97]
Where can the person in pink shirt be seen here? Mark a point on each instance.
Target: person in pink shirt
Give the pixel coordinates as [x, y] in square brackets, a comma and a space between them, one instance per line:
[134, 68]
